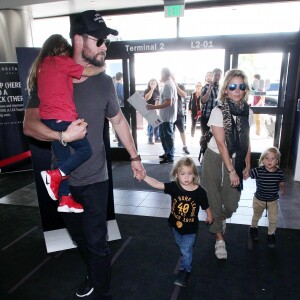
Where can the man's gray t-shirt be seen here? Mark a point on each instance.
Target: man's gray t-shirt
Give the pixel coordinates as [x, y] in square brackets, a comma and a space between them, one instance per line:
[95, 99]
[169, 114]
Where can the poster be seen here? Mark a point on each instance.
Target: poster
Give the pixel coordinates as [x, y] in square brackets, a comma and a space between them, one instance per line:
[13, 143]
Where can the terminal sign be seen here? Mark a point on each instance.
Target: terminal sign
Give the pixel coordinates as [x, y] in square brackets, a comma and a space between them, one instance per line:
[174, 11]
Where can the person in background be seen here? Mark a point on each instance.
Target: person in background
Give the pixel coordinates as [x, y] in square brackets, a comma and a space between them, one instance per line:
[168, 112]
[180, 120]
[195, 107]
[209, 95]
[151, 95]
[120, 94]
[258, 100]
[187, 197]
[269, 180]
[226, 161]
[208, 76]
[52, 73]
[95, 100]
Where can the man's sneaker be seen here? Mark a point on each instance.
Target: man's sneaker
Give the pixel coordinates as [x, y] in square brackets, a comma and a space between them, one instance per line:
[162, 156]
[150, 142]
[185, 150]
[68, 205]
[157, 140]
[166, 161]
[223, 226]
[183, 278]
[220, 250]
[271, 240]
[253, 231]
[52, 180]
[85, 288]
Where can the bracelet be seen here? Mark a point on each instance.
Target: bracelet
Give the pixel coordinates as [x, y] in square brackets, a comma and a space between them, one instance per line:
[231, 172]
[60, 138]
[137, 158]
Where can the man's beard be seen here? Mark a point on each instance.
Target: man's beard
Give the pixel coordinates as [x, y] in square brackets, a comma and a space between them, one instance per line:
[93, 60]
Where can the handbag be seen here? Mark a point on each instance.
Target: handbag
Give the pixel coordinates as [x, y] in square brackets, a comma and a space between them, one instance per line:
[198, 115]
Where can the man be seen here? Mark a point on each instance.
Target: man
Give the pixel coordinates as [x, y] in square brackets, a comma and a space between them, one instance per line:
[209, 95]
[179, 123]
[119, 88]
[95, 99]
[168, 112]
[258, 100]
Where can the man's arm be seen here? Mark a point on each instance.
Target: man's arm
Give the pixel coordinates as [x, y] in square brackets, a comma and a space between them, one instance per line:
[33, 127]
[166, 103]
[205, 97]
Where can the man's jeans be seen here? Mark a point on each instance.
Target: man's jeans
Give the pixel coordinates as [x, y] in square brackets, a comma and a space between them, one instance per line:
[166, 132]
[89, 231]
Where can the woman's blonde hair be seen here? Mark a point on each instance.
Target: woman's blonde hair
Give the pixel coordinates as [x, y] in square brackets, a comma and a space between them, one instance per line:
[228, 76]
[185, 162]
[273, 150]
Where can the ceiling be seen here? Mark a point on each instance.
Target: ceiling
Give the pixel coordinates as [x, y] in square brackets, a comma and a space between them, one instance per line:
[49, 8]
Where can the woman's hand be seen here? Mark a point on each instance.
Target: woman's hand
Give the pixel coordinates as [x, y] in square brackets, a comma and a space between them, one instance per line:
[234, 179]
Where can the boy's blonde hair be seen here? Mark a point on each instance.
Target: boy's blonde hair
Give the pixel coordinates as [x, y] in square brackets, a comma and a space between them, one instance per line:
[273, 150]
[185, 162]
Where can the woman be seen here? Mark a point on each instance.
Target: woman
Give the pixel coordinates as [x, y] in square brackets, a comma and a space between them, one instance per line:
[195, 107]
[227, 159]
[151, 95]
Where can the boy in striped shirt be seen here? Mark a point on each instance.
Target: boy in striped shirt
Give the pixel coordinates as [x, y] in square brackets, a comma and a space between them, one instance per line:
[269, 180]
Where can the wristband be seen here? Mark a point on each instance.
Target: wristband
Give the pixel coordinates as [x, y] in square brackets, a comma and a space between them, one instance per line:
[60, 138]
[231, 172]
[137, 158]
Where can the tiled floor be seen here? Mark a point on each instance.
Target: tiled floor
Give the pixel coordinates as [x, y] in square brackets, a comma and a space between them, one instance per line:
[157, 204]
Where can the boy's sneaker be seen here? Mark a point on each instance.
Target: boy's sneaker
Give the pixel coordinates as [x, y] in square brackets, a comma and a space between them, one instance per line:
[271, 240]
[85, 288]
[220, 250]
[185, 150]
[52, 180]
[253, 231]
[68, 205]
[183, 278]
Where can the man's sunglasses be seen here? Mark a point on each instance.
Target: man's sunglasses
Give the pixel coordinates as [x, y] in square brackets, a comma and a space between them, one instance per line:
[100, 41]
[234, 86]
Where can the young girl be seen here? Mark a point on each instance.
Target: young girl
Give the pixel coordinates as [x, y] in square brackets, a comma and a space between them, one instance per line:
[269, 179]
[187, 196]
[51, 74]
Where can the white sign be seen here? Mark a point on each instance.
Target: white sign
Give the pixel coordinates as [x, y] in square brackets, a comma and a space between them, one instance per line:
[139, 103]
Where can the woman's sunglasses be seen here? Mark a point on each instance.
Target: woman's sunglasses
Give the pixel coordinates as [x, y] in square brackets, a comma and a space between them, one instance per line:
[234, 86]
[100, 41]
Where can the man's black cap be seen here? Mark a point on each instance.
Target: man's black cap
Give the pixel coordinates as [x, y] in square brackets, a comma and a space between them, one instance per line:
[90, 22]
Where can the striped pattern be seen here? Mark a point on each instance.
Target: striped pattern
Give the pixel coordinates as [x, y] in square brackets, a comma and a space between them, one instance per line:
[267, 183]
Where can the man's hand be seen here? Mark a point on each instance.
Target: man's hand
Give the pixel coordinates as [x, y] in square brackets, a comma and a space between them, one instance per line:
[138, 170]
[75, 131]
[150, 106]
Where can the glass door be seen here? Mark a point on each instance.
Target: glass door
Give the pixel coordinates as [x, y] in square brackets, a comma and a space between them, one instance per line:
[265, 73]
[120, 71]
